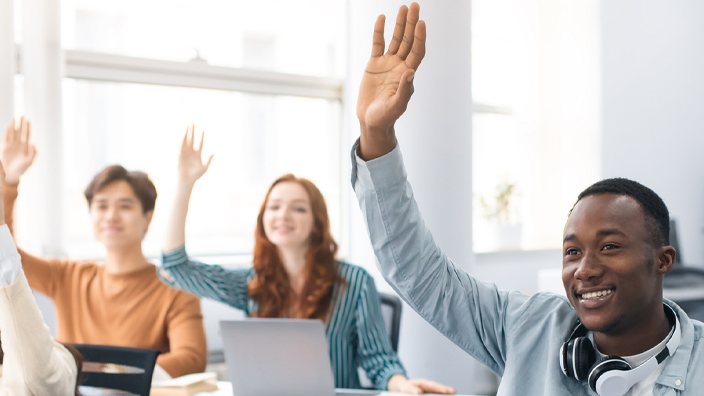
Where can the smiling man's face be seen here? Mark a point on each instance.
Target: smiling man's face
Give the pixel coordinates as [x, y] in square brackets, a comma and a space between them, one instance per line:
[610, 266]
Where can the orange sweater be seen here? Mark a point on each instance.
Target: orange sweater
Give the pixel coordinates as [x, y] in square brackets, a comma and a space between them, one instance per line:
[132, 310]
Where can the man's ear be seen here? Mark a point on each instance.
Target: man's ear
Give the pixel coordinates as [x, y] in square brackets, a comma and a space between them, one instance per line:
[666, 259]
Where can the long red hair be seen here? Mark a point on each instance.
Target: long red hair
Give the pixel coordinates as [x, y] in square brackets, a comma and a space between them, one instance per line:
[271, 288]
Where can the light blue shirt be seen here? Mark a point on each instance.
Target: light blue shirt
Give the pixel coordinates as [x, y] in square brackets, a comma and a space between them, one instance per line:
[517, 336]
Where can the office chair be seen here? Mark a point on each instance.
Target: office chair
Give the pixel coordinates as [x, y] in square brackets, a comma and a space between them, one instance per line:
[391, 311]
[674, 242]
[110, 370]
[685, 286]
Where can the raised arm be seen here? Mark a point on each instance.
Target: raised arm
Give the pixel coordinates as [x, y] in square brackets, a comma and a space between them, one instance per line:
[190, 169]
[18, 153]
[387, 84]
[475, 315]
[178, 270]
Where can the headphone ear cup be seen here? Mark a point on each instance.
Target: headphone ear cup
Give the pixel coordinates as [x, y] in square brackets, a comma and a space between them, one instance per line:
[584, 357]
[566, 358]
[577, 358]
[605, 364]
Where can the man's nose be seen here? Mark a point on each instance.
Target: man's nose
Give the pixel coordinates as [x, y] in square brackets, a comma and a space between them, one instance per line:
[589, 268]
[111, 213]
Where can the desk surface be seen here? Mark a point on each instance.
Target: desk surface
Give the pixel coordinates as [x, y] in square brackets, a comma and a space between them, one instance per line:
[226, 390]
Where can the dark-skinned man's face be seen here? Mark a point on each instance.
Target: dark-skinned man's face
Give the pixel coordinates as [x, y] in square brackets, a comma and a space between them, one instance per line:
[610, 267]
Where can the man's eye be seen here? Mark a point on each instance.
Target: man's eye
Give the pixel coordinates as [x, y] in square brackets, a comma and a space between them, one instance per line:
[572, 252]
[609, 246]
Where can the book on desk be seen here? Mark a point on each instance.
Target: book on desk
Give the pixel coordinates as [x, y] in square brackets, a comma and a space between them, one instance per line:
[188, 385]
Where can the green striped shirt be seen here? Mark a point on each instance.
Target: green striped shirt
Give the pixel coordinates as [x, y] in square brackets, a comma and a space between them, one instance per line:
[355, 328]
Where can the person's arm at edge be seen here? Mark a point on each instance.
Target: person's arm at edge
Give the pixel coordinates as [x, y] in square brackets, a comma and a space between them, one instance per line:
[188, 350]
[36, 361]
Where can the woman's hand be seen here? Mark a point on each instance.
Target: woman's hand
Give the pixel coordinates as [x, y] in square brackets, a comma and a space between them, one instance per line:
[190, 169]
[399, 383]
[18, 152]
[190, 163]
[387, 83]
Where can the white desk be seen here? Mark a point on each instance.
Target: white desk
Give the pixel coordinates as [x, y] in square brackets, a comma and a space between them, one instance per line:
[226, 390]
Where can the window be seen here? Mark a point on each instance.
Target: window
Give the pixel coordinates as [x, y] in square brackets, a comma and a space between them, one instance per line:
[267, 93]
[255, 138]
[299, 37]
[535, 86]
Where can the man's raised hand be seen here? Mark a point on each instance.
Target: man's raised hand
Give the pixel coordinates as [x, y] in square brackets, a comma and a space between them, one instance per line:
[387, 84]
[18, 152]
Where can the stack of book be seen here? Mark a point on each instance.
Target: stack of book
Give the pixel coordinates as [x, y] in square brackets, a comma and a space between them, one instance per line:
[188, 385]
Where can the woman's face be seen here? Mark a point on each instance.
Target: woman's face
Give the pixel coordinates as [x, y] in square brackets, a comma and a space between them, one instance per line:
[118, 218]
[288, 217]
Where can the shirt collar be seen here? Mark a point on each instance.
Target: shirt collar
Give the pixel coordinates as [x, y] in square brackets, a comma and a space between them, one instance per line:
[674, 372]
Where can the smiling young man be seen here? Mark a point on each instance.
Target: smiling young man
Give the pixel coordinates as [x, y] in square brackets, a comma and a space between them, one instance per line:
[120, 301]
[612, 335]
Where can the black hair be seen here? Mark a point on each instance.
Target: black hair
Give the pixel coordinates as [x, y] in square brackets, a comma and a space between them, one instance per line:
[657, 217]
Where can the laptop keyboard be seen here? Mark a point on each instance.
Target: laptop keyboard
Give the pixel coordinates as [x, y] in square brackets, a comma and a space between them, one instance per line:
[356, 392]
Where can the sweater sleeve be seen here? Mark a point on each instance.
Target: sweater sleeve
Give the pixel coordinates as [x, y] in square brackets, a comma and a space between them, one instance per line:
[187, 345]
[33, 363]
[42, 274]
[227, 286]
[376, 355]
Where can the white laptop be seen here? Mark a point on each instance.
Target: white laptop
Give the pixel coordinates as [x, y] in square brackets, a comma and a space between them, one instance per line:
[279, 357]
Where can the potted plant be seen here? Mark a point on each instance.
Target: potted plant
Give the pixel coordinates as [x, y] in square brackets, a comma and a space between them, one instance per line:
[504, 231]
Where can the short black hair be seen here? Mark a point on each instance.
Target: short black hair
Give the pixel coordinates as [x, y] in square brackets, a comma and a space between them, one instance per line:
[657, 217]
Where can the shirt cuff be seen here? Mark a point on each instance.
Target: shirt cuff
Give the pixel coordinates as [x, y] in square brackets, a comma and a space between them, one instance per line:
[10, 262]
[378, 173]
[174, 256]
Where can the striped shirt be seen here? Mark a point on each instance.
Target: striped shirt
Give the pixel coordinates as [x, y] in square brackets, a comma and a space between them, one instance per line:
[355, 328]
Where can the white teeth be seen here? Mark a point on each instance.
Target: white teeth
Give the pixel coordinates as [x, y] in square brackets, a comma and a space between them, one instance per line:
[596, 294]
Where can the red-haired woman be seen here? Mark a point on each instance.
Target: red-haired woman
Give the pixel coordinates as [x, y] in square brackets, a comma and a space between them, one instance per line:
[295, 275]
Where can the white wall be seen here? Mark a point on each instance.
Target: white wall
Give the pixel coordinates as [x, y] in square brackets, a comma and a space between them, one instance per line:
[653, 106]
[435, 136]
[7, 61]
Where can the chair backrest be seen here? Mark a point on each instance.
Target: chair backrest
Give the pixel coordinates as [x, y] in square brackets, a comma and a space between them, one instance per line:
[685, 286]
[391, 311]
[674, 242]
[116, 370]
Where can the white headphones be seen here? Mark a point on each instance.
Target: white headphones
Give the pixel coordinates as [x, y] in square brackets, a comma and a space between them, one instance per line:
[611, 375]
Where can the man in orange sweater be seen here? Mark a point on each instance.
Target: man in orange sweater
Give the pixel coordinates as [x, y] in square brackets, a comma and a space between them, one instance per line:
[121, 301]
